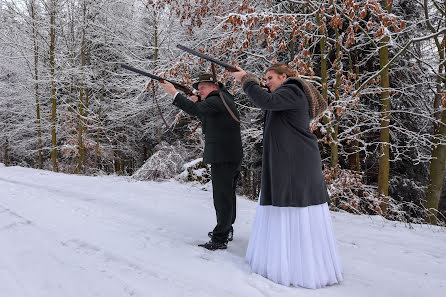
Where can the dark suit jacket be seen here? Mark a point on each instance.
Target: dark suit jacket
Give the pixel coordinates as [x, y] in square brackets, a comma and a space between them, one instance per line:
[223, 142]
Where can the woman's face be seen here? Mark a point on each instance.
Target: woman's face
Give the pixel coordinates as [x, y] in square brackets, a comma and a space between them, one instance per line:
[274, 80]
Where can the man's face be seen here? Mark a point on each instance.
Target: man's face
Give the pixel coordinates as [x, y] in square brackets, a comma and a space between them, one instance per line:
[204, 88]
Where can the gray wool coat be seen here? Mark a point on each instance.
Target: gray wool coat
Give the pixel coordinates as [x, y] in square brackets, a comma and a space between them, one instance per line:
[291, 162]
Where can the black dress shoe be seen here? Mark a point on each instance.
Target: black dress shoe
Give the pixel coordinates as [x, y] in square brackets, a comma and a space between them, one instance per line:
[214, 245]
[230, 235]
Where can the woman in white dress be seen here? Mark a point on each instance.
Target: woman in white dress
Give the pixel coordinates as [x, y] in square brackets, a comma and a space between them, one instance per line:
[292, 241]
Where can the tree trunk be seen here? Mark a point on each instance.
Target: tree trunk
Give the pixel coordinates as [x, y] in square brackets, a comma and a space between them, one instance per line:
[254, 185]
[324, 77]
[291, 43]
[442, 204]
[354, 160]
[155, 39]
[246, 182]
[96, 158]
[116, 163]
[80, 128]
[53, 86]
[436, 172]
[358, 130]
[322, 46]
[384, 139]
[438, 157]
[291, 46]
[36, 85]
[5, 156]
[335, 121]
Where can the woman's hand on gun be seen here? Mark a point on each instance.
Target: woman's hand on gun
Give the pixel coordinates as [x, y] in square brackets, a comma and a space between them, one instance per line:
[239, 74]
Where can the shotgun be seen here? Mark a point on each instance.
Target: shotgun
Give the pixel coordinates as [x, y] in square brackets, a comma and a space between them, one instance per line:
[228, 67]
[158, 78]
[214, 74]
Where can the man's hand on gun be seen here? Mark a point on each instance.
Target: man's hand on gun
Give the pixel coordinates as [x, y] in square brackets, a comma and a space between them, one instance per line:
[168, 87]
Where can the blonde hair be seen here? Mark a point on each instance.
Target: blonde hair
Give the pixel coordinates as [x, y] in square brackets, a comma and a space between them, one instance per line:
[281, 68]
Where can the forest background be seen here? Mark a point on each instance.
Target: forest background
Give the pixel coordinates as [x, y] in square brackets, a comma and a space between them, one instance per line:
[66, 104]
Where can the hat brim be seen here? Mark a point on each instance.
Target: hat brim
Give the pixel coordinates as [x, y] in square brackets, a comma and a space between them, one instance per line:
[195, 84]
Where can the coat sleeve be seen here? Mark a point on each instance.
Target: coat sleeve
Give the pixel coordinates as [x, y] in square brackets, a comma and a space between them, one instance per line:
[286, 97]
[208, 106]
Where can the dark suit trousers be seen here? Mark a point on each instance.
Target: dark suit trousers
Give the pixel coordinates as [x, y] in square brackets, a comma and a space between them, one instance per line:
[224, 181]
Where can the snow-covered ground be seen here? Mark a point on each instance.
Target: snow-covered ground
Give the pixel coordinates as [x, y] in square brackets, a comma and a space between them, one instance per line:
[67, 235]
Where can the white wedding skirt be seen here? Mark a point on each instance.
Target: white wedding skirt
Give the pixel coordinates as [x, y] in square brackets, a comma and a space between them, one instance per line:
[294, 246]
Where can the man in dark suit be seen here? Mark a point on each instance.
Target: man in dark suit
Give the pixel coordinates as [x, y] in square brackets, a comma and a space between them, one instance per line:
[222, 149]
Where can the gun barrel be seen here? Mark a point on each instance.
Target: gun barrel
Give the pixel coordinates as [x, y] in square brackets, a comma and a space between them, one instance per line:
[155, 77]
[203, 56]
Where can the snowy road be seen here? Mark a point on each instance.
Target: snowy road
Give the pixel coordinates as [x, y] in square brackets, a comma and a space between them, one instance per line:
[66, 235]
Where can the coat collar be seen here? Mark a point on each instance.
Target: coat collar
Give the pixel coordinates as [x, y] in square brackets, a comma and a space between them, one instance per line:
[317, 103]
